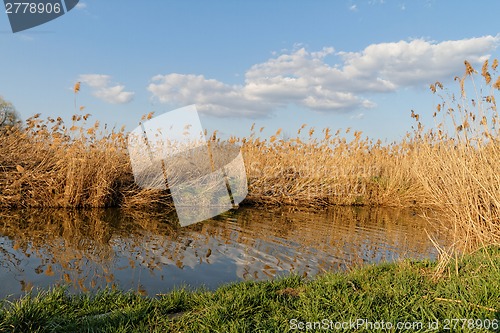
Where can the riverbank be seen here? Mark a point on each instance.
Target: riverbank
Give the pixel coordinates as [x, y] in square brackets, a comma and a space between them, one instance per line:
[415, 296]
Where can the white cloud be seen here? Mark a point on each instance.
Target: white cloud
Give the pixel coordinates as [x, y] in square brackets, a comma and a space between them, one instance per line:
[211, 96]
[95, 80]
[26, 38]
[358, 116]
[418, 61]
[353, 8]
[102, 89]
[306, 79]
[81, 5]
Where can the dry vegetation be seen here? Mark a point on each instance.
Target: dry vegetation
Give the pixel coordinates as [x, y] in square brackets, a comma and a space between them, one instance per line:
[452, 167]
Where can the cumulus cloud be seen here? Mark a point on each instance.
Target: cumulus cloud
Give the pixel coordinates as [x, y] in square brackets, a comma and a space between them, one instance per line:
[210, 95]
[306, 79]
[102, 89]
[417, 61]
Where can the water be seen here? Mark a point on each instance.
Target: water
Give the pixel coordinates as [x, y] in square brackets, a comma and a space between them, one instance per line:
[88, 250]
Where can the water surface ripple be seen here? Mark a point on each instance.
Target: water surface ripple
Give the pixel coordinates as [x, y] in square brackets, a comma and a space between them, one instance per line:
[149, 253]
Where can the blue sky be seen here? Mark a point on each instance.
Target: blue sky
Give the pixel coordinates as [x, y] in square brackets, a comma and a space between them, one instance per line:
[338, 64]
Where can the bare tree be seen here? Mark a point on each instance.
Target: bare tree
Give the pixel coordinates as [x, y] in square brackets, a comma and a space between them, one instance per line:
[8, 113]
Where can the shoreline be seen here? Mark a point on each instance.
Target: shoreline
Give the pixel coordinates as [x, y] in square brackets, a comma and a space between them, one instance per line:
[418, 293]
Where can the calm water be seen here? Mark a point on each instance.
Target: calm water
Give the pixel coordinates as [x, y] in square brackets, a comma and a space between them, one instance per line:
[88, 250]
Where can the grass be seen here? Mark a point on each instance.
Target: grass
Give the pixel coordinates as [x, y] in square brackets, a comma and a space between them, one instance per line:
[408, 292]
[452, 167]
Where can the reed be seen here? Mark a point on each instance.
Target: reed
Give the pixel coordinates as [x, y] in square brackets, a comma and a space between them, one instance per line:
[452, 166]
[46, 164]
[460, 172]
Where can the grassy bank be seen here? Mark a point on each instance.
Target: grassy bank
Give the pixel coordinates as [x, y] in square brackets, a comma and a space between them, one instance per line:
[452, 167]
[464, 297]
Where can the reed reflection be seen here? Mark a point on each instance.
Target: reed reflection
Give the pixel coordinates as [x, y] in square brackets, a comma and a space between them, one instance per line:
[149, 253]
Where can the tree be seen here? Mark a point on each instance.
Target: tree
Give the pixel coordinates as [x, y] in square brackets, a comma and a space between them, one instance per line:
[8, 113]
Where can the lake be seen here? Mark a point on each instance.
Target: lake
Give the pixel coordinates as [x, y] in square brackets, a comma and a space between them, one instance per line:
[149, 253]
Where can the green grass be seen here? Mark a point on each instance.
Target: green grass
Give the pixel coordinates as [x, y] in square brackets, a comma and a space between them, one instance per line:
[406, 292]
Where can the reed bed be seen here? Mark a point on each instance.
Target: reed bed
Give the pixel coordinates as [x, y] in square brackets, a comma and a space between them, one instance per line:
[460, 167]
[452, 166]
[45, 164]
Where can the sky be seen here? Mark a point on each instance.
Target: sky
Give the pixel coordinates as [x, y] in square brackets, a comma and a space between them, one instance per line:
[279, 64]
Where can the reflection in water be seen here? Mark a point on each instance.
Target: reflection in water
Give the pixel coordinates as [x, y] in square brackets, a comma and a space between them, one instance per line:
[145, 252]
